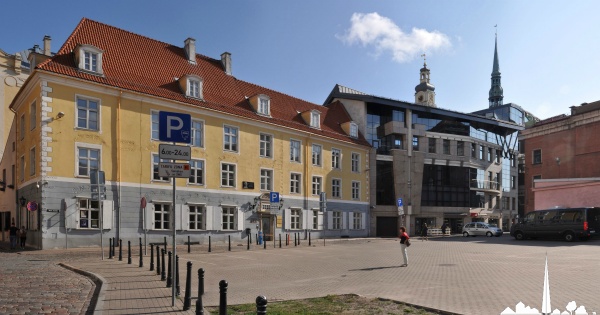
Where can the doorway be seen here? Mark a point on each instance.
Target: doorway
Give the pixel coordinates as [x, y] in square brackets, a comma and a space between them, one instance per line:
[386, 227]
[267, 227]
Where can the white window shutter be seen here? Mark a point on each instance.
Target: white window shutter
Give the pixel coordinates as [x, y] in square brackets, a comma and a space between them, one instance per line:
[309, 219]
[350, 220]
[363, 224]
[287, 219]
[302, 219]
[240, 219]
[177, 216]
[330, 220]
[149, 212]
[208, 222]
[320, 221]
[344, 220]
[71, 215]
[107, 214]
[185, 217]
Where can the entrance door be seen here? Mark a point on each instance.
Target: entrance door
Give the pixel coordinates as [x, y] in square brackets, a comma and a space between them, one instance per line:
[386, 227]
[455, 225]
[267, 227]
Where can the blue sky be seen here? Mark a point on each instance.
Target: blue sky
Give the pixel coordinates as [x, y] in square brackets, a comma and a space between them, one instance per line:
[303, 48]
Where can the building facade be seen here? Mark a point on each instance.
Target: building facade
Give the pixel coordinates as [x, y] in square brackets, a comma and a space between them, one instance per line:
[94, 106]
[561, 157]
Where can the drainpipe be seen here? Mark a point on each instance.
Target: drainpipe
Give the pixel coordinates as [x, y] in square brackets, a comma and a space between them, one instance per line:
[119, 163]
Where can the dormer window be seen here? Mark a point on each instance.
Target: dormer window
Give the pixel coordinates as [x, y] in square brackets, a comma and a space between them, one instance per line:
[89, 59]
[264, 105]
[315, 119]
[191, 85]
[353, 130]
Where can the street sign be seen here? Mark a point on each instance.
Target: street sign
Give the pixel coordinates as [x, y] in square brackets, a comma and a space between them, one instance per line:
[274, 197]
[400, 204]
[97, 197]
[174, 170]
[174, 152]
[323, 201]
[174, 127]
[96, 188]
[97, 177]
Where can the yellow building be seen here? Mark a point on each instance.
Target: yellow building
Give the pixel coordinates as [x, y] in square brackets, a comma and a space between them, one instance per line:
[95, 106]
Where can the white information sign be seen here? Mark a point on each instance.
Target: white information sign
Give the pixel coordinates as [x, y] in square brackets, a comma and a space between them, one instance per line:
[174, 170]
[174, 152]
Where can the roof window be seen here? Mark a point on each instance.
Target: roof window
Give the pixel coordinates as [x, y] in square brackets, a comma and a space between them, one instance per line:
[89, 59]
[191, 85]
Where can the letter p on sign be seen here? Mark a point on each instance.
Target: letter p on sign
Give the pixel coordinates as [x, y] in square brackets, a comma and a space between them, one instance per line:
[174, 127]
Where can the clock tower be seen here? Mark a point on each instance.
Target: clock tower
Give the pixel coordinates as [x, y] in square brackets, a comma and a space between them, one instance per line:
[424, 92]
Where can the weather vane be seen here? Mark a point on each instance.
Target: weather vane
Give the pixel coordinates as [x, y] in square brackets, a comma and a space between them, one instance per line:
[424, 58]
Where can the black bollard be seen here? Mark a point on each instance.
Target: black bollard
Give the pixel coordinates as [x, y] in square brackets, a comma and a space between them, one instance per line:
[157, 260]
[177, 287]
[187, 300]
[229, 236]
[165, 241]
[209, 245]
[163, 276]
[141, 256]
[189, 249]
[120, 250]
[110, 245]
[256, 235]
[114, 246]
[279, 240]
[295, 240]
[169, 277]
[151, 257]
[129, 252]
[199, 306]
[261, 305]
[222, 297]
[264, 243]
[298, 238]
[308, 238]
[248, 239]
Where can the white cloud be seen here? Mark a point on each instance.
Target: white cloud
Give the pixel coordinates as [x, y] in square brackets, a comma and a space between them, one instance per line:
[384, 35]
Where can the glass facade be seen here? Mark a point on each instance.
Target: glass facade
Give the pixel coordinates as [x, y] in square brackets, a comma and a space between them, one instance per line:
[445, 186]
[385, 184]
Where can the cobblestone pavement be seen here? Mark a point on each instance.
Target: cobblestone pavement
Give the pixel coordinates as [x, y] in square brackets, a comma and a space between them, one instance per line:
[460, 275]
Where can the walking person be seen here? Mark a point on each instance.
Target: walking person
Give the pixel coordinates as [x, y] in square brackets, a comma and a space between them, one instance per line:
[404, 243]
[444, 227]
[424, 232]
[13, 231]
[22, 237]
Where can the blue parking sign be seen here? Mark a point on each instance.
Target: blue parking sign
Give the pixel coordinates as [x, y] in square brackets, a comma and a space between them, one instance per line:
[174, 127]
[400, 204]
[274, 196]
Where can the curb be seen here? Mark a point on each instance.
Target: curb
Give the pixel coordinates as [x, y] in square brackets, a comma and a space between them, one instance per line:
[97, 298]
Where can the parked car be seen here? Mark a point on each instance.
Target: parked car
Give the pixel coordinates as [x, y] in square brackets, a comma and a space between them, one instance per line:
[481, 228]
[565, 223]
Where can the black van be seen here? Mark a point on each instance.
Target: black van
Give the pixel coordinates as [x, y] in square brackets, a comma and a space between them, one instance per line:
[565, 223]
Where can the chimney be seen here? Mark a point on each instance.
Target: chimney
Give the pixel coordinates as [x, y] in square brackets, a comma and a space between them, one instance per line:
[47, 41]
[226, 62]
[190, 49]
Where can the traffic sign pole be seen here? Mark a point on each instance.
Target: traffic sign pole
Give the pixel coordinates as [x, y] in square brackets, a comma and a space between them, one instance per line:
[174, 237]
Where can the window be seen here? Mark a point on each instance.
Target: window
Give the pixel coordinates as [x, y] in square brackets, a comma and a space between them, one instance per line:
[537, 156]
[154, 132]
[336, 157]
[162, 216]
[460, 148]
[32, 115]
[295, 152]
[489, 154]
[89, 213]
[266, 180]
[355, 190]
[513, 160]
[155, 161]
[446, 146]
[336, 188]
[473, 150]
[266, 146]
[264, 105]
[22, 168]
[316, 185]
[415, 143]
[32, 161]
[432, 143]
[481, 152]
[315, 119]
[197, 133]
[22, 127]
[357, 220]
[194, 87]
[316, 154]
[89, 58]
[227, 175]
[228, 218]
[90, 62]
[355, 162]
[230, 138]
[295, 219]
[87, 113]
[337, 220]
[513, 182]
[197, 217]
[353, 130]
[315, 220]
[295, 183]
[498, 156]
[88, 159]
[197, 172]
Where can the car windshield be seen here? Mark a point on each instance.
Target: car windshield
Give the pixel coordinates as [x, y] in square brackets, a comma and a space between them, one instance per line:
[493, 225]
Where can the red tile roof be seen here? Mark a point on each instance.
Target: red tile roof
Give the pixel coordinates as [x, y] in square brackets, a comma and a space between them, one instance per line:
[138, 63]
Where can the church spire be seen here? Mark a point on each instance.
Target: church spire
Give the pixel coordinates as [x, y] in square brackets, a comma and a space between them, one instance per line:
[496, 93]
[424, 92]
